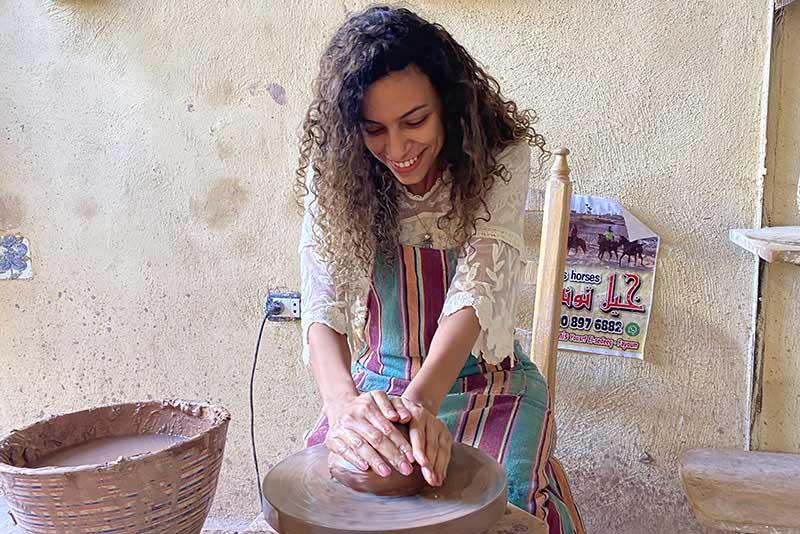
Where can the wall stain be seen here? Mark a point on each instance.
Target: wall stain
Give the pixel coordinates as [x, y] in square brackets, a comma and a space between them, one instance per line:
[278, 93]
[221, 92]
[86, 209]
[224, 149]
[222, 204]
[227, 89]
[12, 212]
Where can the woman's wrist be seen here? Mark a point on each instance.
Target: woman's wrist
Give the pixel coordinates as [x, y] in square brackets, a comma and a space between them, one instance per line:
[426, 402]
[334, 405]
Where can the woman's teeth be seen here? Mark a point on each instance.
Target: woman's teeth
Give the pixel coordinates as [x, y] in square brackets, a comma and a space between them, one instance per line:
[406, 163]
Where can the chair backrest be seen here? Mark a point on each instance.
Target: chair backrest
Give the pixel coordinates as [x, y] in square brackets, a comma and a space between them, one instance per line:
[550, 274]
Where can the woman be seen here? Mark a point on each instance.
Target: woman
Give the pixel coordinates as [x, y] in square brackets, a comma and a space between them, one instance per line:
[414, 172]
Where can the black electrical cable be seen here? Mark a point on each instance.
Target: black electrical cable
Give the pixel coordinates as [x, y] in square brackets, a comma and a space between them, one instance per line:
[272, 308]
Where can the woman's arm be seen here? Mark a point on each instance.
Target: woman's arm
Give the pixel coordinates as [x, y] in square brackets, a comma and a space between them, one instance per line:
[329, 357]
[358, 429]
[360, 424]
[451, 345]
[430, 439]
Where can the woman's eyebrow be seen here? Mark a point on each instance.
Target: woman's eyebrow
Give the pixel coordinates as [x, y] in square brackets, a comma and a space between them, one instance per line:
[403, 116]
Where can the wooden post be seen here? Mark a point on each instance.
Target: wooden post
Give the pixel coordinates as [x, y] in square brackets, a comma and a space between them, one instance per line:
[550, 275]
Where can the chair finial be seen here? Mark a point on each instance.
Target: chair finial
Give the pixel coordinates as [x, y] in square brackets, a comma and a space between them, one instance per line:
[560, 168]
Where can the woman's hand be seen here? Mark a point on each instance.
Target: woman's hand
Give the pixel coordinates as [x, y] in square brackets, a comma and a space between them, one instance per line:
[431, 442]
[362, 431]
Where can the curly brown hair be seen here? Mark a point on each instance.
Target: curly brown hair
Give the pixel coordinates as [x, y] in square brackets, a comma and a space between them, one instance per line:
[355, 194]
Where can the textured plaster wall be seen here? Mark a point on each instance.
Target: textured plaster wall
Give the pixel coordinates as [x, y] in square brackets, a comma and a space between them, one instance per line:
[778, 423]
[147, 152]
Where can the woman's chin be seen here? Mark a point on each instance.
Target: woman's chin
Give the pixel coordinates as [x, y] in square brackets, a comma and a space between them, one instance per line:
[409, 181]
[416, 178]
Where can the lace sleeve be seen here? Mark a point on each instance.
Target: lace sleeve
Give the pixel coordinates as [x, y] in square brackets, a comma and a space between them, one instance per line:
[320, 303]
[490, 270]
[487, 278]
[505, 201]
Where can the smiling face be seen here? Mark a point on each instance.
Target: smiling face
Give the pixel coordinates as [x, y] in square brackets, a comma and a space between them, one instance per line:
[402, 127]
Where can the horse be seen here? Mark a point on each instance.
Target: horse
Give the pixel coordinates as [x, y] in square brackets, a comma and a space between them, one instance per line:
[632, 249]
[607, 246]
[576, 243]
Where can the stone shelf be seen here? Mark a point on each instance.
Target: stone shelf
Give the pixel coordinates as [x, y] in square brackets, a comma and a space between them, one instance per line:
[775, 244]
[743, 491]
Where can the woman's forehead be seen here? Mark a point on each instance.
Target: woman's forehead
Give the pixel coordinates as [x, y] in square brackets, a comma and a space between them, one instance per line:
[397, 93]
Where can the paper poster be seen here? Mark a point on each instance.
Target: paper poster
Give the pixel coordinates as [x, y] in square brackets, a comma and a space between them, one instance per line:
[608, 279]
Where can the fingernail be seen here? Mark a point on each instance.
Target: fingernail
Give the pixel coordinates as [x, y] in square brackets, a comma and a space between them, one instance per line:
[410, 456]
[392, 414]
[363, 465]
[406, 468]
[383, 470]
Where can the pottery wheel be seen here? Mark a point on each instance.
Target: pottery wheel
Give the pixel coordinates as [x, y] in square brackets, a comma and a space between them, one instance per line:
[300, 497]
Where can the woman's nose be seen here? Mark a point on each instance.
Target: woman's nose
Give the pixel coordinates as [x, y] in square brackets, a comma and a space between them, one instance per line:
[397, 146]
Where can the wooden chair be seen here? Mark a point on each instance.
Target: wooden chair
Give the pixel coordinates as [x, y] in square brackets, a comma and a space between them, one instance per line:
[550, 273]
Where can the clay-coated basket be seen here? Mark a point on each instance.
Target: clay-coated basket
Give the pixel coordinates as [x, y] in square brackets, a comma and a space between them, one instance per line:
[167, 492]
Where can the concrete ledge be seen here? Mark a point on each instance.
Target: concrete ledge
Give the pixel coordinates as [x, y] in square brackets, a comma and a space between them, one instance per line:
[776, 244]
[745, 491]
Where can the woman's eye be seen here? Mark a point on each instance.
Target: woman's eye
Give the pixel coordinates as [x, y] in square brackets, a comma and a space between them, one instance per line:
[417, 122]
[373, 131]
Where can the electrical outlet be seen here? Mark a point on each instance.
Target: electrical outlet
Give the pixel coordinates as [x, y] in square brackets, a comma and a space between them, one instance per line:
[284, 306]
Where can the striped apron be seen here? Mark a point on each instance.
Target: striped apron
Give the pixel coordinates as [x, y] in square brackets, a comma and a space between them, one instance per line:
[502, 409]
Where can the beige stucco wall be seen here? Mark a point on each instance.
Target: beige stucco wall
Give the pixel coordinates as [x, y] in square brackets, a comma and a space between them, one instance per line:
[778, 421]
[148, 159]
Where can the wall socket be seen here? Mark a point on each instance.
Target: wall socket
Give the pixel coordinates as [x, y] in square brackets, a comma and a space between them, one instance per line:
[285, 306]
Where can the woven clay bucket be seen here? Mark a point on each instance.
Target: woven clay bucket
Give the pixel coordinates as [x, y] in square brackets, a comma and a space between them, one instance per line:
[166, 492]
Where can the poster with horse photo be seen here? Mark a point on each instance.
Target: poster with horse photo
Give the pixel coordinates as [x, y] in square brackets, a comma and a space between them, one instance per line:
[608, 279]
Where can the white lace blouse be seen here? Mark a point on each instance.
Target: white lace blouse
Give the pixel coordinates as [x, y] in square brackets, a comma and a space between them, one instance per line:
[488, 274]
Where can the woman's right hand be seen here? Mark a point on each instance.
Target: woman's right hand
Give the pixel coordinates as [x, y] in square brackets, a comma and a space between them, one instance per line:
[362, 431]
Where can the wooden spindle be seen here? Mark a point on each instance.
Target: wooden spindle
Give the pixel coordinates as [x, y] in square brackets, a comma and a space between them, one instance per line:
[550, 274]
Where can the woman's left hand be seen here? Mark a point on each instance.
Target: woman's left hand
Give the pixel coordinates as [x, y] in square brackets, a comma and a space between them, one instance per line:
[431, 442]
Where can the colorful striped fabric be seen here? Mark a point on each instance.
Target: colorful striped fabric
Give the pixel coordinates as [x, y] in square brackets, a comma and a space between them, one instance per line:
[501, 409]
